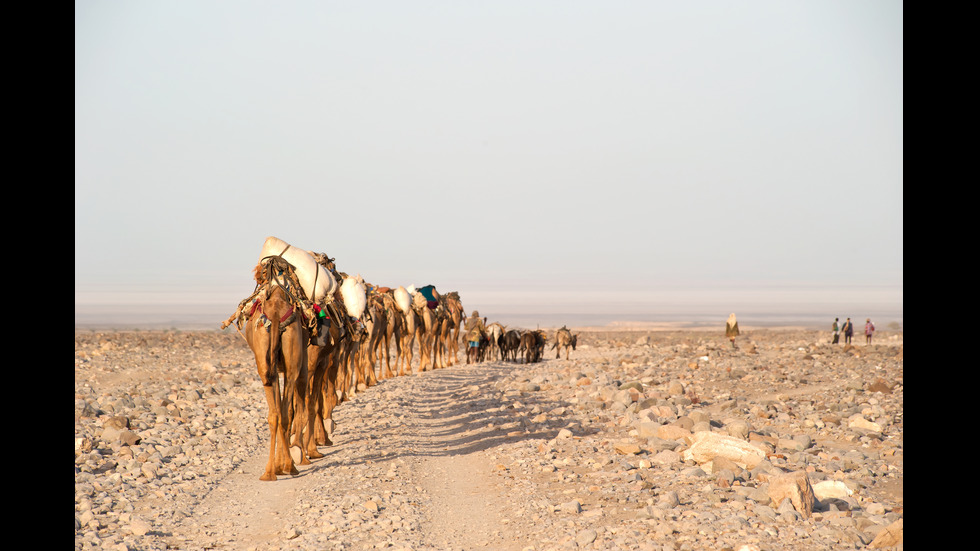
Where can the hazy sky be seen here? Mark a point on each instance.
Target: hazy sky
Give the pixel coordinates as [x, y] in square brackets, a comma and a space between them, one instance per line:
[519, 152]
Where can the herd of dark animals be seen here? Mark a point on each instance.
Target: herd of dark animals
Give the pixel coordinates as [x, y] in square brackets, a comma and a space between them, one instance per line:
[522, 346]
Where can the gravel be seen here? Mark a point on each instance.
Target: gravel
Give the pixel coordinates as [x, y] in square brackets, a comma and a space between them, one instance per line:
[588, 452]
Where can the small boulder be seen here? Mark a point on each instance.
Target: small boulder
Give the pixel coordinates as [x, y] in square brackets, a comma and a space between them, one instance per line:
[891, 536]
[705, 446]
[796, 487]
[831, 489]
[672, 432]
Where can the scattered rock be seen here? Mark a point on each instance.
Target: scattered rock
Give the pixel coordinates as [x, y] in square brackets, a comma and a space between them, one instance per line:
[618, 447]
[705, 446]
[794, 487]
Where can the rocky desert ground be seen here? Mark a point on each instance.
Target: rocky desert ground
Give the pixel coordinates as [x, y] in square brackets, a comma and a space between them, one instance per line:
[650, 440]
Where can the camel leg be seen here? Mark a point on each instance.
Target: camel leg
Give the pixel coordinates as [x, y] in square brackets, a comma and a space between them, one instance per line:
[399, 367]
[423, 352]
[330, 398]
[386, 351]
[348, 371]
[297, 387]
[441, 347]
[280, 462]
[408, 349]
[358, 369]
[367, 366]
[453, 339]
[272, 399]
[430, 345]
[384, 362]
[315, 404]
[284, 460]
[259, 341]
[342, 373]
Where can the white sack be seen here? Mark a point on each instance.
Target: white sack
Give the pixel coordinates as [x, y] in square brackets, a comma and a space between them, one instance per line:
[307, 270]
[354, 294]
[403, 300]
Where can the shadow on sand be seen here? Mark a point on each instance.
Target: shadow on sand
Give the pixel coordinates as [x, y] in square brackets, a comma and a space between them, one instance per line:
[446, 412]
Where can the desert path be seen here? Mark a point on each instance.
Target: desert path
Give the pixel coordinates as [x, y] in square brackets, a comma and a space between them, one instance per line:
[435, 425]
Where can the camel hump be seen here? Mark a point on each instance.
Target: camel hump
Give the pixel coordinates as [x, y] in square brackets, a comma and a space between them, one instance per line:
[316, 281]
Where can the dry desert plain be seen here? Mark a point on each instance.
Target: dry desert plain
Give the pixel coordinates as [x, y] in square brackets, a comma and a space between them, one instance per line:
[603, 450]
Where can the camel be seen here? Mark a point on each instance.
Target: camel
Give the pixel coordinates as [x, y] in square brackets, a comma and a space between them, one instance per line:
[278, 340]
[335, 364]
[329, 362]
[425, 332]
[440, 344]
[279, 319]
[452, 319]
[564, 338]
[322, 368]
[353, 295]
[401, 328]
[435, 328]
[393, 329]
[407, 342]
[375, 323]
[347, 358]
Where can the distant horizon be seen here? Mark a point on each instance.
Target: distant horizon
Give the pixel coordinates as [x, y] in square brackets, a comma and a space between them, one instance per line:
[817, 316]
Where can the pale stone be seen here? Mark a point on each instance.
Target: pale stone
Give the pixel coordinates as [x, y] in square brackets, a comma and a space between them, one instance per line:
[667, 457]
[862, 423]
[890, 536]
[831, 489]
[139, 526]
[571, 507]
[705, 446]
[699, 417]
[672, 432]
[719, 464]
[627, 448]
[796, 487]
[646, 429]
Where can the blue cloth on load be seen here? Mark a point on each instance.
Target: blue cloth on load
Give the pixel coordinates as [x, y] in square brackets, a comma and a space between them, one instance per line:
[427, 292]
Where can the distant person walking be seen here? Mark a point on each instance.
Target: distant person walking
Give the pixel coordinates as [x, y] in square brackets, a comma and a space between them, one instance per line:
[731, 329]
[836, 330]
[869, 331]
[475, 330]
[848, 330]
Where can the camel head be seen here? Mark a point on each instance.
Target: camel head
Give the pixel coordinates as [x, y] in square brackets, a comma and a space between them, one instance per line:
[259, 274]
[325, 261]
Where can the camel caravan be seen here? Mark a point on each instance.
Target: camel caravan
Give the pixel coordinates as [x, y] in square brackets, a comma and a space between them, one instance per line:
[329, 335]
